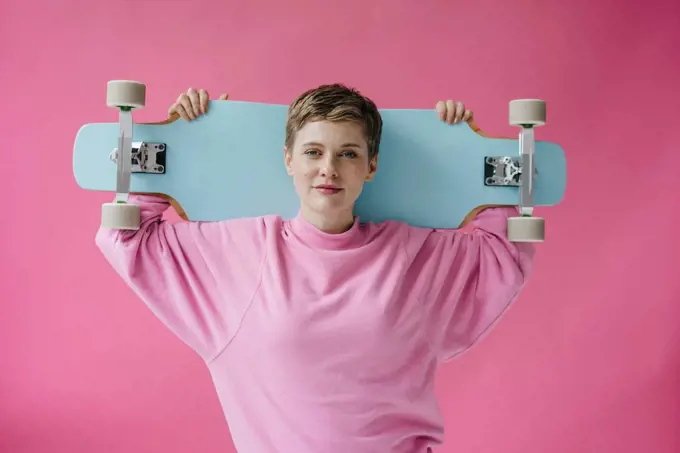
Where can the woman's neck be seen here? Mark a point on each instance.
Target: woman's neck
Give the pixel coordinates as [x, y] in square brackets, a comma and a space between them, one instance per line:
[331, 223]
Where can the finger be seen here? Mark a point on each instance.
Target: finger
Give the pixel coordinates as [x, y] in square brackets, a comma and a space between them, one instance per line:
[172, 110]
[450, 111]
[185, 103]
[441, 110]
[203, 100]
[467, 116]
[460, 110]
[181, 111]
[224, 97]
[195, 102]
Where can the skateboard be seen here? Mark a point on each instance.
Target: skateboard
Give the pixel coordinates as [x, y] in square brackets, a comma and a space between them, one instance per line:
[228, 164]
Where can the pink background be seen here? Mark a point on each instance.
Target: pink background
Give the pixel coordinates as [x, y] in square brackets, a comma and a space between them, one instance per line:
[587, 361]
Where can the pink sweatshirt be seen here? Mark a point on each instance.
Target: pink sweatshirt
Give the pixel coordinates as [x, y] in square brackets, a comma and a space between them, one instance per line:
[321, 343]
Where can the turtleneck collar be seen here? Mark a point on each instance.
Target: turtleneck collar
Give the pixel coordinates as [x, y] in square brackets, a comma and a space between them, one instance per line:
[313, 237]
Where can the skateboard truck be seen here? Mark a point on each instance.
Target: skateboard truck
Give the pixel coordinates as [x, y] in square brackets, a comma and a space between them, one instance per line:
[123, 95]
[145, 157]
[502, 171]
[527, 114]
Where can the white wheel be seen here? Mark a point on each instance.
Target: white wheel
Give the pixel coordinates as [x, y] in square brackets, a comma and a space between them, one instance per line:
[526, 229]
[125, 93]
[527, 112]
[120, 216]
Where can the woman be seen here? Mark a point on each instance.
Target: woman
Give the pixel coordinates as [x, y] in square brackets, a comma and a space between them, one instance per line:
[322, 334]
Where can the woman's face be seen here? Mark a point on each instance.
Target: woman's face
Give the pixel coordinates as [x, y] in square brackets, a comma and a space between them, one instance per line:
[329, 163]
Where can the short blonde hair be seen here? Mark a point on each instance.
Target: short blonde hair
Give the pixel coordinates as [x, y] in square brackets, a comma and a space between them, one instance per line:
[335, 102]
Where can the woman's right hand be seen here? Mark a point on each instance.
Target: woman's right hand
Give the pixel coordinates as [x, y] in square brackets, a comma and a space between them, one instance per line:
[192, 104]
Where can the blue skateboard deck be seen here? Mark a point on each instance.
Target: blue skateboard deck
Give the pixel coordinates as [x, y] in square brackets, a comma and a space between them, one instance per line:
[228, 163]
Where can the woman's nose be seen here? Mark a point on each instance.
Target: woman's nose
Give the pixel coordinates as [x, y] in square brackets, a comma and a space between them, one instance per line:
[329, 168]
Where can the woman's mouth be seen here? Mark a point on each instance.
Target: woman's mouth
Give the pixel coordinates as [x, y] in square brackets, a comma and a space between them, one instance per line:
[327, 189]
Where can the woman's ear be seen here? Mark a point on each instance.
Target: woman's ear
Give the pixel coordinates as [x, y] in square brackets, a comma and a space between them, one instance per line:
[287, 157]
[372, 168]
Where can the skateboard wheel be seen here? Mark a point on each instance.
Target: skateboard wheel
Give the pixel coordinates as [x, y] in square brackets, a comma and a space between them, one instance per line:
[527, 112]
[125, 93]
[526, 229]
[120, 216]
